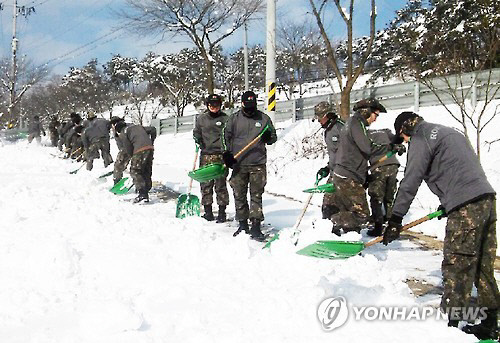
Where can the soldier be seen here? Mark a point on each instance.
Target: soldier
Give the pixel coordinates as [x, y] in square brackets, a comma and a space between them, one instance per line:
[382, 182]
[444, 158]
[54, 126]
[34, 130]
[123, 158]
[138, 142]
[207, 134]
[332, 124]
[352, 167]
[250, 169]
[96, 139]
[75, 119]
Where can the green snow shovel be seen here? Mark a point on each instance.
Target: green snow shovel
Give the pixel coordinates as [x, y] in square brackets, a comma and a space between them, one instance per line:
[295, 229]
[326, 188]
[382, 159]
[216, 170]
[122, 186]
[188, 204]
[345, 249]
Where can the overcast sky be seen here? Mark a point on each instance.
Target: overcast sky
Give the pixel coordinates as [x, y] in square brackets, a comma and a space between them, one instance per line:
[70, 33]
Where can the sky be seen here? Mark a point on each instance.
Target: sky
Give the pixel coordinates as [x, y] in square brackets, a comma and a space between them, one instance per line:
[68, 33]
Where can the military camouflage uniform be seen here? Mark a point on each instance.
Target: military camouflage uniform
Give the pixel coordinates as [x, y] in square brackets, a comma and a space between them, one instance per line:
[207, 188]
[92, 152]
[53, 131]
[141, 169]
[350, 199]
[445, 160]
[470, 247]
[350, 174]
[381, 189]
[250, 171]
[242, 177]
[122, 160]
[383, 182]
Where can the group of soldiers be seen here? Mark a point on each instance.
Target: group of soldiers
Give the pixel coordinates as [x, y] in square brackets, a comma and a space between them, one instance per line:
[89, 139]
[444, 159]
[361, 159]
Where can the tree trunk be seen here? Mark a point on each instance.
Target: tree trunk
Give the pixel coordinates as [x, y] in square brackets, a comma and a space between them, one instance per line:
[210, 74]
[345, 101]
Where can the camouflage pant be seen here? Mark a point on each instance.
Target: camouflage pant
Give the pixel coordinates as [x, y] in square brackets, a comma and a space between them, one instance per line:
[92, 152]
[36, 136]
[54, 137]
[381, 189]
[207, 188]
[350, 199]
[469, 254]
[122, 160]
[241, 178]
[328, 207]
[141, 169]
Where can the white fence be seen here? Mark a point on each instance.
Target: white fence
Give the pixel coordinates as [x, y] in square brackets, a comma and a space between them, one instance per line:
[474, 86]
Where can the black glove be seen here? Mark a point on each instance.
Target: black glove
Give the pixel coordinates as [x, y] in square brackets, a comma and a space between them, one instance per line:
[266, 136]
[400, 149]
[441, 208]
[229, 159]
[323, 172]
[393, 229]
[44, 133]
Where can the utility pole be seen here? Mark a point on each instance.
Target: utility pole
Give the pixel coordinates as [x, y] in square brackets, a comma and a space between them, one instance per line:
[271, 59]
[245, 55]
[15, 42]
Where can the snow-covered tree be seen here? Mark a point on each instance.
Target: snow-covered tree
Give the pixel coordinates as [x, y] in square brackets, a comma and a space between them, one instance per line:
[205, 22]
[448, 37]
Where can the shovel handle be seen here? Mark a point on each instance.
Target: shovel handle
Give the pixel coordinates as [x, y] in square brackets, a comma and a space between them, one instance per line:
[379, 162]
[249, 145]
[194, 167]
[408, 226]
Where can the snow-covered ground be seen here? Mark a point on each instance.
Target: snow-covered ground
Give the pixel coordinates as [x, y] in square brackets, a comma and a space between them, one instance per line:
[79, 264]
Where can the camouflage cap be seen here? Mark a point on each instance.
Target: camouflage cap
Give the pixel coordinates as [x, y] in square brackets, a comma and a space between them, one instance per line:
[406, 122]
[371, 103]
[91, 115]
[322, 109]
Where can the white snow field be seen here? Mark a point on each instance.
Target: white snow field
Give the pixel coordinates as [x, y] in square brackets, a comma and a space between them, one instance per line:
[79, 264]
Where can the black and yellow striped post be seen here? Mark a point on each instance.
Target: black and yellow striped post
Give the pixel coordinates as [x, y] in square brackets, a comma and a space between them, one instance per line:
[271, 99]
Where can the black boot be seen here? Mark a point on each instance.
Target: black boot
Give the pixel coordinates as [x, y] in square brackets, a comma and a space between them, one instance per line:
[487, 329]
[209, 215]
[255, 231]
[221, 216]
[337, 230]
[142, 197]
[243, 227]
[376, 231]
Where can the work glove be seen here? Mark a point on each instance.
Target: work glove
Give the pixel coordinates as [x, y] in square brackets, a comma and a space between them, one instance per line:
[400, 149]
[266, 136]
[229, 159]
[323, 172]
[441, 208]
[393, 229]
[44, 133]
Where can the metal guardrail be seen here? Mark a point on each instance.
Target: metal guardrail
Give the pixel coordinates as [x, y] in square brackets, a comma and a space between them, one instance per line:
[12, 135]
[394, 97]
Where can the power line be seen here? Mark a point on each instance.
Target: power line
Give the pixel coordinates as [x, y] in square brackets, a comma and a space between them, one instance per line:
[69, 53]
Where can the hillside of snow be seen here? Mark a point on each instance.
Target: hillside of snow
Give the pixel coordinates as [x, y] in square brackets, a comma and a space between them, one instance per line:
[79, 264]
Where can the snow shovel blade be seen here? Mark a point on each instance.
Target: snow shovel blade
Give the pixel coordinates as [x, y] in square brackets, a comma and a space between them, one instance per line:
[332, 249]
[121, 187]
[326, 188]
[187, 205]
[209, 172]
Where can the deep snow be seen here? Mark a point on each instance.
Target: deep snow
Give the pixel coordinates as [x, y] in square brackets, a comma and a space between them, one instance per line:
[78, 264]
